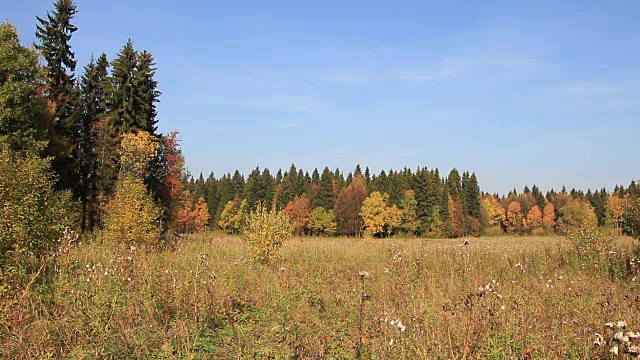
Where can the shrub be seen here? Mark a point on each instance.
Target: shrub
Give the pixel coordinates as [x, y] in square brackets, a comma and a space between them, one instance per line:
[233, 215]
[322, 221]
[265, 232]
[590, 240]
[32, 215]
[131, 215]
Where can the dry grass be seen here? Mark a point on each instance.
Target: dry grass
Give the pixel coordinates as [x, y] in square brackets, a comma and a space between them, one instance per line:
[496, 298]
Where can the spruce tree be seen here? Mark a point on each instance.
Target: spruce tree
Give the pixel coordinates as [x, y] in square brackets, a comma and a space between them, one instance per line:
[325, 196]
[54, 34]
[472, 197]
[148, 95]
[91, 108]
[126, 101]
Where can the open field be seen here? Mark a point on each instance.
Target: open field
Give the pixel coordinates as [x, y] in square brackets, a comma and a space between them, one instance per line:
[420, 299]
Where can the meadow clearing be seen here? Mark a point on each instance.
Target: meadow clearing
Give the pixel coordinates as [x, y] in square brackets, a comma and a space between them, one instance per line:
[331, 298]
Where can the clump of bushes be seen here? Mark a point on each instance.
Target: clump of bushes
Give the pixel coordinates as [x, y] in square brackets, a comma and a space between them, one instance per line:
[265, 231]
[32, 216]
[590, 240]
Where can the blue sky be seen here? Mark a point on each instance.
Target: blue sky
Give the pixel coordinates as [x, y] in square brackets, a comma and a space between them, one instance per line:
[546, 92]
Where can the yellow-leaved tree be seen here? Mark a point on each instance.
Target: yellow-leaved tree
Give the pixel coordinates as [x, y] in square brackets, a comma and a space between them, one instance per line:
[131, 215]
[615, 210]
[265, 231]
[233, 215]
[136, 152]
[576, 214]
[373, 213]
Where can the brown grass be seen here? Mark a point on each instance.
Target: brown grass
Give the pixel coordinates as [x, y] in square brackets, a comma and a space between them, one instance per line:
[204, 299]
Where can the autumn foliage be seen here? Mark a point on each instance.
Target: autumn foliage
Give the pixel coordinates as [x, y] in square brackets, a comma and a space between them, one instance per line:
[131, 215]
[298, 211]
[348, 206]
[265, 231]
[192, 218]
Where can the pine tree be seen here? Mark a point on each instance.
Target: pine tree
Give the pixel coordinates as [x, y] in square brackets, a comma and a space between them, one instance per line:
[133, 91]
[325, 196]
[91, 108]
[252, 191]
[238, 184]
[540, 200]
[212, 197]
[122, 94]
[54, 34]
[146, 87]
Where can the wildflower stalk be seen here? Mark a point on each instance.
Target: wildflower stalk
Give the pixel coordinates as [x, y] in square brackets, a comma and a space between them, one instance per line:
[363, 297]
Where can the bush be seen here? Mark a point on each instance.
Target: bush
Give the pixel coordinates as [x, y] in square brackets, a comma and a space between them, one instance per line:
[266, 231]
[131, 215]
[590, 240]
[32, 215]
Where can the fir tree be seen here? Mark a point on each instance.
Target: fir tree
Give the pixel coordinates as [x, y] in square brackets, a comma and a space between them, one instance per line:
[54, 34]
[133, 91]
[325, 196]
[91, 108]
[148, 95]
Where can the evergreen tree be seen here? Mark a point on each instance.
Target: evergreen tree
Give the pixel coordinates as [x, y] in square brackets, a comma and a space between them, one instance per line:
[325, 197]
[540, 200]
[54, 34]
[133, 91]
[472, 197]
[146, 87]
[212, 197]
[267, 188]
[252, 189]
[238, 184]
[91, 108]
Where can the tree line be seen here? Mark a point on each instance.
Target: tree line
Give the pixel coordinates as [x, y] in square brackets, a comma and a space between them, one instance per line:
[79, 152]
[417, 203]
[79, 122]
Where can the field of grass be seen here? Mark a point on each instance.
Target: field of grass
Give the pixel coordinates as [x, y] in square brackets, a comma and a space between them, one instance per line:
[327, 298]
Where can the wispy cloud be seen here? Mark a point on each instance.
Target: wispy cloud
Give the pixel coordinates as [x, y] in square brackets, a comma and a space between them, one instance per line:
[288, 124]
[586, 88]
[441, 70]
[305, 104]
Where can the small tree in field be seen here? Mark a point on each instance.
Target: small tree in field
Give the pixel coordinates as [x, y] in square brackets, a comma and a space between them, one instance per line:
[131, 216]
[265, 232]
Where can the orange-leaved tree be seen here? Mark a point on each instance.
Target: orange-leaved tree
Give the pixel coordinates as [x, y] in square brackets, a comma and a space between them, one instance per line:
[533, 223]
[514, 218]
[549, 218]
[298, 211]
[348, 206]
[200, 214]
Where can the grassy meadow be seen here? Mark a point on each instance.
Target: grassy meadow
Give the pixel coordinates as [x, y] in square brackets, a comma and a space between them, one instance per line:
[327, 298]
